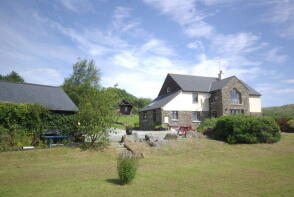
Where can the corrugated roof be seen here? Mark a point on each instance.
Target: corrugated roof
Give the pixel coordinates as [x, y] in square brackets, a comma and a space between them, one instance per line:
[160, 101]
[54, 98]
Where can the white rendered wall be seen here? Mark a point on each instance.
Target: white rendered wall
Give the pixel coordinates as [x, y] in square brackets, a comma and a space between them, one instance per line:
[254, 104]
[183, 102]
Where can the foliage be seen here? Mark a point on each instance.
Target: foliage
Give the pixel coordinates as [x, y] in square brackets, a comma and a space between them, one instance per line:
[85, 77]
[206, 125]
[119, 94]
[246, 129]
[65, 123]
[290, 124]
[284, 112]
[127, 168]
[132, 120]
[13, 77]
[97, 114]
[160, 127]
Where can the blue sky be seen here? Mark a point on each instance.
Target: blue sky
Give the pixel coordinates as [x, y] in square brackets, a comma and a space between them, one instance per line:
[136, 43]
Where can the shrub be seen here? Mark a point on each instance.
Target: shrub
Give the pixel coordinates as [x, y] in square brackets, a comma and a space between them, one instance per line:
[290, 124]
[207, 125]
[127, 168]
[283, 124]
[65, 123]
[246, 129]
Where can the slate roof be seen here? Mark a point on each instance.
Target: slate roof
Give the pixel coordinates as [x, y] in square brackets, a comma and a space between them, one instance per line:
[54, 98]
[205, 84]
[160, 101]
[194, 84]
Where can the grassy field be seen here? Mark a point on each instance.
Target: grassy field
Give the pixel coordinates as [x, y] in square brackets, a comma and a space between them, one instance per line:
[130, 120]
[193, 167]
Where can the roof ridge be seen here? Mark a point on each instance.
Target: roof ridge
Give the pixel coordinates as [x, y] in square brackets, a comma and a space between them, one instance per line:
[25, 83]
[191, 75]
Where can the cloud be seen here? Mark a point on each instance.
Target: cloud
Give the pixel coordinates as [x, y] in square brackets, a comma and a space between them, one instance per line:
[186, 15]
[290, 81]
[77, 5]
[281, 14]
[273, 56]
[43, 76]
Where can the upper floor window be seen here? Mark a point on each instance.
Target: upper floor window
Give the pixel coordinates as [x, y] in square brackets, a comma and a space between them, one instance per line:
[195, 97]
[168, 90]
[144, 115]
[195, 115]
[175, 115]
[235, 96]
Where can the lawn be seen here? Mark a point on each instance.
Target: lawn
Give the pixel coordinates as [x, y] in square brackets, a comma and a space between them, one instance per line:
[193, 167]
[129, 120]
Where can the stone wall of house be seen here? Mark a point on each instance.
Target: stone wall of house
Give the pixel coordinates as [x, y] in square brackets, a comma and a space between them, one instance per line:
[153, 118]
[184, 118]
[226, 96]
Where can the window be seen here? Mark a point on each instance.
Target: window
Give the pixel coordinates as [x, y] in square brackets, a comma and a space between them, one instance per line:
[168, 90]
[154, 115]
[175, 115]
[195, 97]
[144, 115]
[236, 111]
[195, 116]
[213, 114]
[235, 96]
[126, 109]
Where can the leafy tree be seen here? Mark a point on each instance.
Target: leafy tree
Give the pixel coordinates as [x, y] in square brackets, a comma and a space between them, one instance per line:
[97, 114]
[13, 77]
[85, 77]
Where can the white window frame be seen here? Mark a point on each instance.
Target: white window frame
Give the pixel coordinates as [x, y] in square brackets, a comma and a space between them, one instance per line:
[168, 90]
[195, 97]
[176, 113]
[197, 116]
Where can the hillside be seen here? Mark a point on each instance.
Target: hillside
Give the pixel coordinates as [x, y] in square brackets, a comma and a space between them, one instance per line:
[280, 112]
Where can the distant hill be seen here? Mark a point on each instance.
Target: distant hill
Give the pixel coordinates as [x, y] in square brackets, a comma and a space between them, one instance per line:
[280, 112]
[138, 103]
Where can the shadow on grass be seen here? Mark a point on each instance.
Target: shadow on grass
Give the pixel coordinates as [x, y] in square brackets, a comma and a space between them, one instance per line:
[114, 181]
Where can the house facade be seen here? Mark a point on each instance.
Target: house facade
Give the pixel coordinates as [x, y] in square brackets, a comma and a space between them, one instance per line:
[125, 107]
[186, 100]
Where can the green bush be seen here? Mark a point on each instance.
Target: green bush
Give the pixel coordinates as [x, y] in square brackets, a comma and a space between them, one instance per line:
[127, 168]
[66, 124]
[206, 125]
[246, 129]
[290, 124]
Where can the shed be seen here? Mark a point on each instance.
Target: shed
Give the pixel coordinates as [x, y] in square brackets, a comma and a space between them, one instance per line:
[125, 107]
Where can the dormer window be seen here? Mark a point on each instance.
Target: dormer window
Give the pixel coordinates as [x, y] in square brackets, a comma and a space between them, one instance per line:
[235, 96]
[195, 97]
[168, 90]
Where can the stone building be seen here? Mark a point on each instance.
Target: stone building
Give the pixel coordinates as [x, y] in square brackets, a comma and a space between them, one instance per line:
[186, 100]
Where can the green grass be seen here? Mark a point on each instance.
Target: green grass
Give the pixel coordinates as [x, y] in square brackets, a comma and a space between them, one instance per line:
[194, 167]
[130, 120]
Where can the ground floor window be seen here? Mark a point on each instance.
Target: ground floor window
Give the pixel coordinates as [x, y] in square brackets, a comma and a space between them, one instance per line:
[144, 115]
[195, 115]
[175, 115]
[236, 111]
[213, 114]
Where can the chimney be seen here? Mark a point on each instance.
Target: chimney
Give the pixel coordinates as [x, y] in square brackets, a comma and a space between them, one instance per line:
[220, 75]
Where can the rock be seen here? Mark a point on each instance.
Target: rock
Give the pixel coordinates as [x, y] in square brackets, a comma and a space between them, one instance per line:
[158, 143]
[134, 149]
[127, 138]
[191, 134]
[150, 138]
[171, 136]
[136, 137]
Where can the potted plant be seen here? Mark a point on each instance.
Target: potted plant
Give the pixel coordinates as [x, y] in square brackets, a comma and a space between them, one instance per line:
[129, 129]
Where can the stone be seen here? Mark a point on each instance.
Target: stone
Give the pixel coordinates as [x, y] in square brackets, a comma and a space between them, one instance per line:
[134, 148]
[136, 137]
[127, 138]
[171, 136]
[191, 134]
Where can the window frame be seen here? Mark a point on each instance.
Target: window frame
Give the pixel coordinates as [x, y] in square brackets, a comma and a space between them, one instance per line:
[168, 90]
[195, 97]
[176, 113]
[198, 115]
[236, 97]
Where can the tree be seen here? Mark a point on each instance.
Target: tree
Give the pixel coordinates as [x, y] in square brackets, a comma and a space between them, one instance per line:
[13, 77]
[85, 77]
[97, 114]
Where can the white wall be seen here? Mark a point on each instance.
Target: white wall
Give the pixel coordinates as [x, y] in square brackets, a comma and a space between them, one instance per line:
[183, 102]
[254, 104]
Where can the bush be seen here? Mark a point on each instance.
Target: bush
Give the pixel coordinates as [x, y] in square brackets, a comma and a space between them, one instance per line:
[290, 125]
[207, 125]
[246, 129]
[65, 123]
[127, 168]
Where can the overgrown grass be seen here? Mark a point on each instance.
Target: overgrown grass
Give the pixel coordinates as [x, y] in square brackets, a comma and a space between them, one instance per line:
[193, 167]
[129, 120]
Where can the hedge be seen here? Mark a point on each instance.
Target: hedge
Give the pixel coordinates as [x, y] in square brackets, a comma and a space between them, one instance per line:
[246, 129]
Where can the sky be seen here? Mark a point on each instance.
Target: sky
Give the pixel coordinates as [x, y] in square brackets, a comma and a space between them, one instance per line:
[136, 43]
